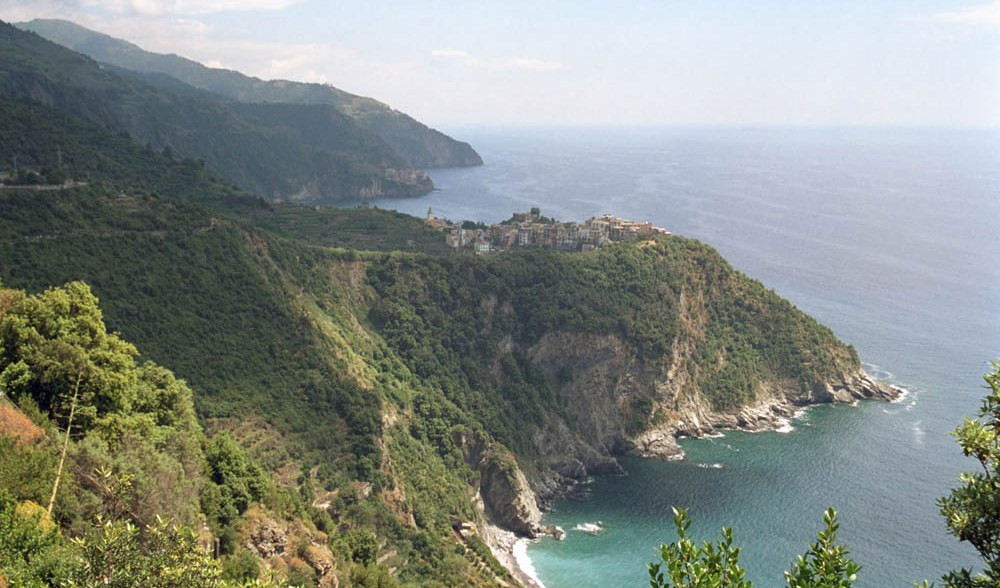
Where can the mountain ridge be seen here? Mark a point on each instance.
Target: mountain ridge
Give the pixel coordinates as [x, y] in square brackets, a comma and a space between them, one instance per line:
[419, 145]
[272, 158]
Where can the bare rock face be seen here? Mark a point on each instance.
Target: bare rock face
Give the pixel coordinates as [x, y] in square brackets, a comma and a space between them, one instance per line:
[600, 382]
[266, 538]
[319, 558]
[861, 386]
[658, 442]
[592, 374]
[616, 400]
[508, 498]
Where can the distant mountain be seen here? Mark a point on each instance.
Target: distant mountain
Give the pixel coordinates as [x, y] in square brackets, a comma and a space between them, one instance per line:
[281, 152]
[419, 145]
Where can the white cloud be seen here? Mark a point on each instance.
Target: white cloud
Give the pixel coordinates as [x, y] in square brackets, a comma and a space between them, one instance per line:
[530, 64]
[451, 53]
[513, 63]
[460, 56]
[186, 7]
[73, 9]
[980, 14]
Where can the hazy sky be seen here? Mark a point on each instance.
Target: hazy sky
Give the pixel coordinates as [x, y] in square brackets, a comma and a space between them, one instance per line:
[908, 62]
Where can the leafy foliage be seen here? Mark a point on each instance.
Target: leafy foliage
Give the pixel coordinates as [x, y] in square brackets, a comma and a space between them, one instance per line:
[27, 543]
[136, 456]
[234, 483]
[356, 228]
[447, 318]
[112, 553]
[118, 555]
[55, 342]
[972, 510]
[687, 565]
[826, 564]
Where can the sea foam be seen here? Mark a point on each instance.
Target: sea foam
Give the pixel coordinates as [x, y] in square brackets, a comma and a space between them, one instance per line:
[523, 561]
[591, 528]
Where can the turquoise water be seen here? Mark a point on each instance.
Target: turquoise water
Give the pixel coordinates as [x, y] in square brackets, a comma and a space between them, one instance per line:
[889, 236]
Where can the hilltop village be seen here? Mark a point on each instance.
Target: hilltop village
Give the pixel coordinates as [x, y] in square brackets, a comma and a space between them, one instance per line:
[531, 229]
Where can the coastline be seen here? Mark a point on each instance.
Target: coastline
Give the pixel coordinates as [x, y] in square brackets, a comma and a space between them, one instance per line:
[511, 551]
[778, 416]
[771, 414]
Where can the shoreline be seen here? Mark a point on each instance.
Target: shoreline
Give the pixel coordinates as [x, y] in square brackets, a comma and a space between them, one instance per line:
[777, 416]
[512, 553]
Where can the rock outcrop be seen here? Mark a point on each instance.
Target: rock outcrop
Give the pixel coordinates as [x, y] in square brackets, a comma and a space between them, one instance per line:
[283, 544]
[599, 379]
[507, 498]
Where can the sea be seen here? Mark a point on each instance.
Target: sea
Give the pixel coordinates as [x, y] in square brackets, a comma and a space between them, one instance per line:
[890, 236]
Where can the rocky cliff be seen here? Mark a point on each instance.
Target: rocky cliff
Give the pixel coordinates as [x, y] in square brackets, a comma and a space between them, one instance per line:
[600, 399]
[723, 352]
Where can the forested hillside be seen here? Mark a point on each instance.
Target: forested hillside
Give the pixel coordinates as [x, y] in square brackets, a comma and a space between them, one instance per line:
[280, 153]
[349, 402]
[418, 145]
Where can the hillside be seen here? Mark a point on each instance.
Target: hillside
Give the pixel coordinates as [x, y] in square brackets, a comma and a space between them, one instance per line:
[419, 146]
[304, 154]
[391, 405]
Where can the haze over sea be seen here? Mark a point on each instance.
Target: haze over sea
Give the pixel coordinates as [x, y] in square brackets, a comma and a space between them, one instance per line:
[889, 236]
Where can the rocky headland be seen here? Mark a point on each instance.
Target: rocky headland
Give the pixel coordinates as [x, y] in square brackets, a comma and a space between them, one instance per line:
[516, 513]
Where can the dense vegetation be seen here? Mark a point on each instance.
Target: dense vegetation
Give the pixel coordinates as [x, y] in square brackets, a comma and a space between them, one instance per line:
[299, 350]
[687, 565]
[130, 479]
[440, 315]
[278, 152]
[972, 510]
[409, 140]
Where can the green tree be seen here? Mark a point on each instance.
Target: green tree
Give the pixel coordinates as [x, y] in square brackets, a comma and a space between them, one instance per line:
[716, 565]
[118, 554]
[972, 510]
[25, 536]
[115, 413]
[54, 348]
[826, 564]
[709, 565]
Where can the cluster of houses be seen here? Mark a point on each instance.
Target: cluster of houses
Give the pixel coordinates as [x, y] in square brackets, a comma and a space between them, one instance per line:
[531, 229]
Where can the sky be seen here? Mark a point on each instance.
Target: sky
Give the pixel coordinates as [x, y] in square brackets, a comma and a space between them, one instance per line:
[583, 62]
